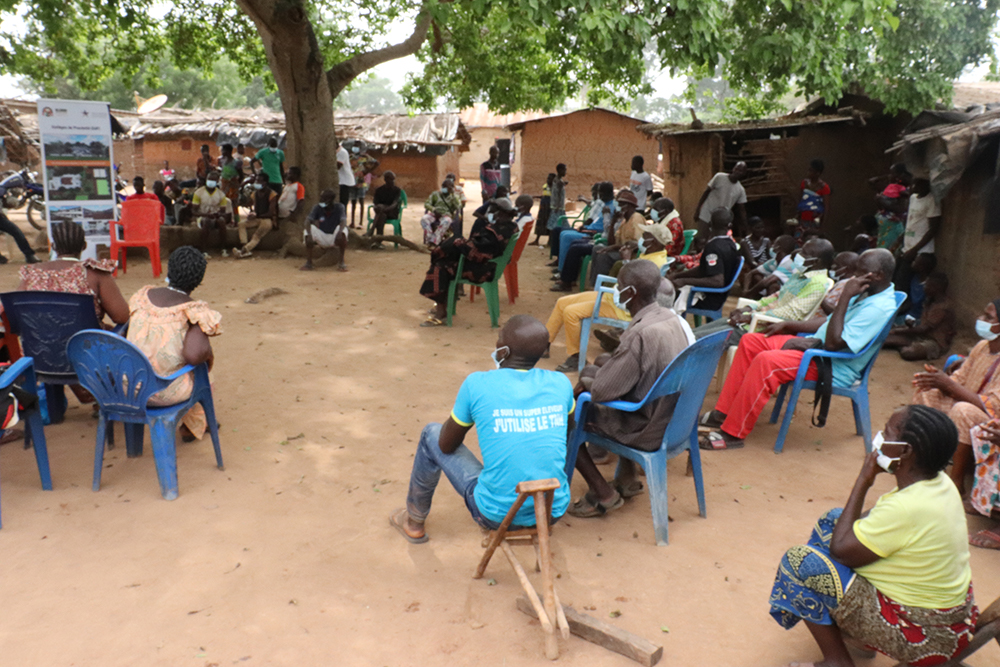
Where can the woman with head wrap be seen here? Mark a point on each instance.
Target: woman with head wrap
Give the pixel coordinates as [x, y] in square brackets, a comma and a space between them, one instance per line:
[172, 330]
[970, 395]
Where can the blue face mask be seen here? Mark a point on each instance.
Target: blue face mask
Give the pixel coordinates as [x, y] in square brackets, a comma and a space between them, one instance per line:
[210, 184]
[258, 186]
[655, 215]
[642, 246]
[772, 253]
[985, 330]
[617, 296]
[496, 353]
[444, 191]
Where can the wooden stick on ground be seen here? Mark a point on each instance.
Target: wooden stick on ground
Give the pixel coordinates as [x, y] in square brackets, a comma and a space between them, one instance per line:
[604, 634]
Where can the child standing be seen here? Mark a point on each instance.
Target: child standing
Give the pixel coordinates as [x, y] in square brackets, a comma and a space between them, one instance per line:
[544, 209]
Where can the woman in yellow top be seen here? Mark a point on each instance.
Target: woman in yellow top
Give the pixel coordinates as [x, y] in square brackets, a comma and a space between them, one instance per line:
[895, 578]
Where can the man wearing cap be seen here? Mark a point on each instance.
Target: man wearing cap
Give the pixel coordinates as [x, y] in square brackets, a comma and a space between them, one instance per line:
[622, 228]
[571, 310]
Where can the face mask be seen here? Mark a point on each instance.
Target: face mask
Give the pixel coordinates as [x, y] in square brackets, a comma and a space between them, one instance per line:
[772, 254]
[496, 353]
[272, 149]
[655, 215]
[642, 246]
[833, 274]
[799, 262]
[985, 330]
[489, 217]
[323, 204]
[444, 191]
[258, 186]
[617, 294]
[210, 184]
[355, 150]
[884, 462]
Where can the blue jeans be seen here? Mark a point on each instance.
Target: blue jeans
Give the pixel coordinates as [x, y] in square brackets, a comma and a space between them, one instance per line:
[462, 469]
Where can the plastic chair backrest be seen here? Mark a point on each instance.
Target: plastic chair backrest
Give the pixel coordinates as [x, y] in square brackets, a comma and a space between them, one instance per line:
[140, 221]
[689, 374]
[402, 201]
[716, 290]
[115, 371]
[875, 344]
[46, 321]
[504, 259]
[689, 235]
[522, 241]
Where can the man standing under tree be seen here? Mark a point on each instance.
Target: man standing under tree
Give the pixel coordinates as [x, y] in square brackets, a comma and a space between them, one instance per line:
[725, 191]
[272, 163]
[640, 183]
[345, 175]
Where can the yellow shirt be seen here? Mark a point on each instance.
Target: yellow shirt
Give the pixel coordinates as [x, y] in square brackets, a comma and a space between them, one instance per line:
[210, 202]
[920, 535]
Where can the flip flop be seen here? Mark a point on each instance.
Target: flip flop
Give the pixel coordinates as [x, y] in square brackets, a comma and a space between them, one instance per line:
[713, 441]
[432, 322]
[985, 539]
[395, 520]
[11, 435]
[706, 421]
[589, 506]
[631, 490]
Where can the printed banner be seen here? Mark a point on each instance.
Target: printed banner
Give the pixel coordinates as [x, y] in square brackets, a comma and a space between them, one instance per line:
[77, 161]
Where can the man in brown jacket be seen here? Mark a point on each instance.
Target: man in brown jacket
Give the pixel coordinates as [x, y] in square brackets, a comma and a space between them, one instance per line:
[651, 341]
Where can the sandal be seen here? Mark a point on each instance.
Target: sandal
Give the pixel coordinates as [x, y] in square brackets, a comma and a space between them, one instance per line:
[432, 322]
[714, 441]
[706, 421]
[985, 539]
[396, 520]
[589, 506]
[630, 490]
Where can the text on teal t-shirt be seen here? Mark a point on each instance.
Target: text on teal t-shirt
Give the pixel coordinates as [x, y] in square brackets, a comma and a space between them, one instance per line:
[521, 419]
[270, 163]
[863, 321]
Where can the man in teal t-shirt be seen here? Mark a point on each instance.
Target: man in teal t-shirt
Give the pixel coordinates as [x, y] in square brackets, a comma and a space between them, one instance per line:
[272, 163]
[521, 414]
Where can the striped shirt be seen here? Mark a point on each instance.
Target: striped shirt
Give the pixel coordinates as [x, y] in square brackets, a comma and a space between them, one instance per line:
[797, 297]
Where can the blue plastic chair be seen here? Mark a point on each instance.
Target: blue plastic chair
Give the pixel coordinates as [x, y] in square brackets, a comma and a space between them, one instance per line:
[602, 286]
[45, 321]
[23, 369]
[711, 314]
[122, 380]
[688, 375]
[858, 392]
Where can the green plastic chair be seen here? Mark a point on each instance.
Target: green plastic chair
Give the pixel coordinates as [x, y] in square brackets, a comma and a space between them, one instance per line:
[581, 282]
[397, 224]
[579, 217]
[491, 288]
[689, 235]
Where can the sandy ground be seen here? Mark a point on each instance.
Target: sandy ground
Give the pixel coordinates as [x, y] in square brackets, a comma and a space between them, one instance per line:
[286, 557]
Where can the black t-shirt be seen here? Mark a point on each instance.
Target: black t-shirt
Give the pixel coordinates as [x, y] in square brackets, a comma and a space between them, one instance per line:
[327, 218]
[262, 202]
[720, 256]
[385, 195]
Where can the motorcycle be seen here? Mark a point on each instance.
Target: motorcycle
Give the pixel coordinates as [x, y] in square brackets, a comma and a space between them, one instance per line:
[18, 189]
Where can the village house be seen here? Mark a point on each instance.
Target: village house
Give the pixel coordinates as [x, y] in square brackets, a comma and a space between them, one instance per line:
[850, 138]
[421, 149]
[488, 129]
[597, 144]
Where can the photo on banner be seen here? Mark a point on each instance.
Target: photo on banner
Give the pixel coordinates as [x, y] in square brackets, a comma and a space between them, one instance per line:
[77, 156]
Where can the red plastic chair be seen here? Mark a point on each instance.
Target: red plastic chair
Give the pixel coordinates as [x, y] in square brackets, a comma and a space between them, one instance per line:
[140, 228]
[10, 339]
[510, 273]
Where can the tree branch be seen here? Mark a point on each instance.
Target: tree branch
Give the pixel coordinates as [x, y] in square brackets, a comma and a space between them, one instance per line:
[341, 74]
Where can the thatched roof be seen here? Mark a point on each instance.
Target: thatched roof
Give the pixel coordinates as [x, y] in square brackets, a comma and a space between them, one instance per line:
[255, 127]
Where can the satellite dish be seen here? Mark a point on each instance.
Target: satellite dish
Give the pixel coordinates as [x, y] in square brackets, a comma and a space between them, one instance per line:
[144, 107]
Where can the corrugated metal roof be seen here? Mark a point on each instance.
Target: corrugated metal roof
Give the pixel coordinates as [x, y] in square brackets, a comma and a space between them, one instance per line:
[674, 129]
[479, 115]
[520, 124]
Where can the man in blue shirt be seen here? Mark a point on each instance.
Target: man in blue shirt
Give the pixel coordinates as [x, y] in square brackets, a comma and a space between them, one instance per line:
[521, 414]
[765, 361]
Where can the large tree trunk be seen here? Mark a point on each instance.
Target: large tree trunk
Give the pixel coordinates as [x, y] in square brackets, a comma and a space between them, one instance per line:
[306, 98]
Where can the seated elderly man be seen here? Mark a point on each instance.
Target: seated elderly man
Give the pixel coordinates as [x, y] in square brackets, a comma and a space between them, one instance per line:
[521, 414]
[765, 361]
[651, 341]
[571, 310]
[794, 301]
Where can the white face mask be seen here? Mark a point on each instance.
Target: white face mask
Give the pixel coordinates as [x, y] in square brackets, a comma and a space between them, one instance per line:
[323, 204]
[985, 330]
[617, 294]
[489, 217]
[211, 184]
[258, 186]
[496, 353]
[272, 149]
[884, 462]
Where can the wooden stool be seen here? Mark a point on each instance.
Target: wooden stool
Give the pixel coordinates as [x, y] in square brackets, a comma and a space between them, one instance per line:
[549, 609]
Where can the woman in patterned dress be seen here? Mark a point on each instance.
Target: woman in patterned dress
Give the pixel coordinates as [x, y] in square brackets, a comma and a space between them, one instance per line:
[172, 330]
[895, 578]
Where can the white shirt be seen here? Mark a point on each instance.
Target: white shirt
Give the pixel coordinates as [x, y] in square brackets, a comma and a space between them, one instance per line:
[522, 220]
[640, 185]
[918, 221]
[723, 194]
[345, 175]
